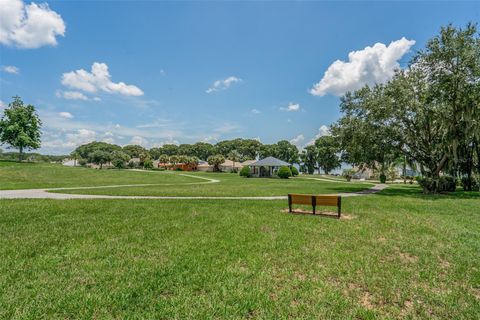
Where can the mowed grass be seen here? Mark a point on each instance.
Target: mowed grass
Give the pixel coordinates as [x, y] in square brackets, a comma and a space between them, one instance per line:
[168, 183]
[14, 175]
[231, 185]
[398, 255]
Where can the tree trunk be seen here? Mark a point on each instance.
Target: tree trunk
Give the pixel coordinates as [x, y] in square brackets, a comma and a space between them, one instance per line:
[20, 154]
[404, 169]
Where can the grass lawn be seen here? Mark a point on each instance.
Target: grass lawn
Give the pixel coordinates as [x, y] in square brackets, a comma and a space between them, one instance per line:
[170, 183]
[399, 254]
[14, 175]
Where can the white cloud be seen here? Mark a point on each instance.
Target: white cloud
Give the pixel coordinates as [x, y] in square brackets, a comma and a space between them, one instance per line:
[255, 111]
[139, 140]
[223, 84]
[11, 69]
[98, 80]
[298, 139]
[322, 131]
[65, 115]
[292, 107]
[29, 26]
[70, 140]
[368, 66]
[210, 139]
[71, 95]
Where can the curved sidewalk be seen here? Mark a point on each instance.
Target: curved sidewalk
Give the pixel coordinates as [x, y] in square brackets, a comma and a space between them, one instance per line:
[44, 194]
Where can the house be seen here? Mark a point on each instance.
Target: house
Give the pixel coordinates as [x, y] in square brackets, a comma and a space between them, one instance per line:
[204, 166]
[177, 166]
[267, 167]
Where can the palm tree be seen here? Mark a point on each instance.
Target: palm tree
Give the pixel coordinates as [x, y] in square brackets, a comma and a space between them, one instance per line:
[173, 160]
[234, 156]
[163, 158]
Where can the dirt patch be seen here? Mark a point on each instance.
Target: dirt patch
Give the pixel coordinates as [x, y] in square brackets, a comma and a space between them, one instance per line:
[407, 258]
[328, 214]
[366, 301]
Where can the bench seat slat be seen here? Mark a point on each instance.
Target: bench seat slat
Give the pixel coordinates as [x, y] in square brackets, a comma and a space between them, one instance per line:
[327, 200]
[301, 199]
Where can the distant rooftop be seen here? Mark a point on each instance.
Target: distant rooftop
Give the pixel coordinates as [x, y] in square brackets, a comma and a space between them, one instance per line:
[270, 162]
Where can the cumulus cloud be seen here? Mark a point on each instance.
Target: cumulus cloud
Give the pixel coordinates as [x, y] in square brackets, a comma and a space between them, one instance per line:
[65, 115]
[298, 140]
[223, 84]
[368, 66]
[3, 105]
[322, 131]
[10, 69]
[70, 140]
[292, 107]
[98, 80]
[255, 111]
[139, 140]
[29, 26]
[71, 95]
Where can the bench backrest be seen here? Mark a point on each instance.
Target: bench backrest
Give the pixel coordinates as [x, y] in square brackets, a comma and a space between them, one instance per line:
[314, 200]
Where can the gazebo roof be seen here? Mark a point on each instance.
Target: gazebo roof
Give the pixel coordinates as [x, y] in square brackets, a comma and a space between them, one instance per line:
[270, 162]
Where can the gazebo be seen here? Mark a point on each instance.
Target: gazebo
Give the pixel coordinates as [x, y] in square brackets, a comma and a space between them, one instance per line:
[267, 167]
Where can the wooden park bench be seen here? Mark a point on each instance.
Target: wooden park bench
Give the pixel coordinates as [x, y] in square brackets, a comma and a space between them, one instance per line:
[314, 201]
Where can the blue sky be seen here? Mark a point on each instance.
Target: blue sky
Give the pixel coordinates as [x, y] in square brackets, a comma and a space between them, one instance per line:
[203, 71]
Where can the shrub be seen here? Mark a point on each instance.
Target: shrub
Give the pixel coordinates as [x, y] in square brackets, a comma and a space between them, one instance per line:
[118, 163]
[148, 164]
[82, 162]
[132, 164]
[442, 184]
[470, 184]
[245, 172]
[294, 171]
[383, 178]
[284, 172]
[348, 174]
[119, 159]
[178, 169]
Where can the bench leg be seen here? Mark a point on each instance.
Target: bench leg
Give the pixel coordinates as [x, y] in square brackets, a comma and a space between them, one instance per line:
[290, 203]
[313, 209]
[339, 207]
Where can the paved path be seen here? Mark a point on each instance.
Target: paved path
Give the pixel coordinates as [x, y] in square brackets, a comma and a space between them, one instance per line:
[44, 194]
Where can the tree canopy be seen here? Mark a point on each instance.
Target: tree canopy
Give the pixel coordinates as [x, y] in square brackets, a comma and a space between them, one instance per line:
[20, 126]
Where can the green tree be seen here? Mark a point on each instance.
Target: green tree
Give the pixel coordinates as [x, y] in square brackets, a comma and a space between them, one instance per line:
[169, 149]
[216, 161]
[234, 156]
[99, 157]
[308, 158]
[203, 150]
[164, 159]
[286, 151]
[20, 127]
[119, 159]
[327, 149]
[74, 155]
[174, 159]
[134, 150]
[86, 149]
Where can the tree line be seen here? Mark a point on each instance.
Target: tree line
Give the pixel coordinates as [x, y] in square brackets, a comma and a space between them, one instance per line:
[427, 117]
[428, 114]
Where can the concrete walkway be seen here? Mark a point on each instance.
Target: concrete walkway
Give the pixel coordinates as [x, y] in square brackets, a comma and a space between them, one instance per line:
[44, 194]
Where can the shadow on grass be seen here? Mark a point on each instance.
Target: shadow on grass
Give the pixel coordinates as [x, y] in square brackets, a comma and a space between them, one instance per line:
[417, 192]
